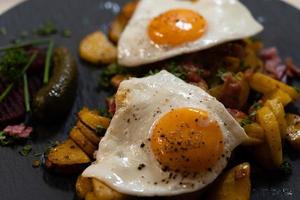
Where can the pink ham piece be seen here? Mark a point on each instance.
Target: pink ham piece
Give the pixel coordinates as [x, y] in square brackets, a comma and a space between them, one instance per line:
[20, 131]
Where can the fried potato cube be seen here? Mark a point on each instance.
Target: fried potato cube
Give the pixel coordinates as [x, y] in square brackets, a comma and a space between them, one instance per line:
[83, 186]
[97, 49]
[268, 121]
[233, 184]
[67, 157]
[117, 79]
[266, 84]
[255, 133]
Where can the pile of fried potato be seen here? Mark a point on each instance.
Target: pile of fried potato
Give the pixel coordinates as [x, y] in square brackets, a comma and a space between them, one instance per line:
[272, 125]
[74, 154]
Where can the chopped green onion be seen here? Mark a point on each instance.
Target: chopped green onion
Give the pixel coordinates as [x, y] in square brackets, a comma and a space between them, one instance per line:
[26, 93]
[15, 46]
[10, 86]
[67, 33]
[26, 150]
[6, 91]
[48, 62]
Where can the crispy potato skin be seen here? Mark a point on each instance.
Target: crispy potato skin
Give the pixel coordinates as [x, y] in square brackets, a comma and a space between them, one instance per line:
[88, 147]
[232, 185]
[97, 49]
[268, 121]
[67, 158]
[118, 25]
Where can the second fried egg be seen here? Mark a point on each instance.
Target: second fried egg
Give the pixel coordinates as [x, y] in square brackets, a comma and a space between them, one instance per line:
[161, 29]
[167, 137]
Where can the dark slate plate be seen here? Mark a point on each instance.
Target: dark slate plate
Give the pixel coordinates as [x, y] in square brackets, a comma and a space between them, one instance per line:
[18, 180]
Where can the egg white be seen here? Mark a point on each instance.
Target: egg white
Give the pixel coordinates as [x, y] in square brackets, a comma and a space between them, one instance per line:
[140, 103]
[227, 20]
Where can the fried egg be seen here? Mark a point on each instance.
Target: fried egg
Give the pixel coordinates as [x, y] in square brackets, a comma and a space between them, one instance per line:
[166, 138]
[160, 29]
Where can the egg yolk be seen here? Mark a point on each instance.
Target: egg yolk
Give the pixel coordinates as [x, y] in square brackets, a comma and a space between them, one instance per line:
[187, 140]
[176, 27]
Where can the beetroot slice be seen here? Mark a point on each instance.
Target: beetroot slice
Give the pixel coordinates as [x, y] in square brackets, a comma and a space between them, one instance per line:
[12, 108]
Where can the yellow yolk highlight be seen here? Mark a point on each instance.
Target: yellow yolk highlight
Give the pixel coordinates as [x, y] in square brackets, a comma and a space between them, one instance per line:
[176, 27]
[187, 140]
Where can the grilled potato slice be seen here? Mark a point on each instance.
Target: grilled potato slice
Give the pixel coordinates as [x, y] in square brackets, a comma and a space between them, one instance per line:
[88, 147]
[67, 157]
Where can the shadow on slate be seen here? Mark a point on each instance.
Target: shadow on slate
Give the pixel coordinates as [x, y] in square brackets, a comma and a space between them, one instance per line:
[20, 181]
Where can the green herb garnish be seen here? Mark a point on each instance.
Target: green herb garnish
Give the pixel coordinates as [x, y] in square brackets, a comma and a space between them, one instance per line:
[257, 105]
[26, 150]
[17, 76]
[109, 72]
[48, 62]
[246, 121]
[47, 29]
[26, 93]
[297, 89]
[100, 130]
[6, 139]
[286, 168]
[104, 113]
[11, 63]
[3, 31]
[220, 73]
[176, 70]
[67, 33]
[24, 44]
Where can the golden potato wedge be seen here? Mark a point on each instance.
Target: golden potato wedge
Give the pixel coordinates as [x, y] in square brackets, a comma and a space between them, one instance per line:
[83, 142]
[118, 25]
[97, 49]
[103, 192]
[260, 151]
[282, 96]
[67, 157]
[267, 120]
[92, 119]
[277, 108]
[265, 84]
[90, 134]
[83, 186]
[255, 133]
[234, 184]
[293, 131]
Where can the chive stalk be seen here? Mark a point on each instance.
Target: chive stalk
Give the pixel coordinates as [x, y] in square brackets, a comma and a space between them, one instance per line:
[10, 86]
[16, 46]
[48, 62]
[26, 93]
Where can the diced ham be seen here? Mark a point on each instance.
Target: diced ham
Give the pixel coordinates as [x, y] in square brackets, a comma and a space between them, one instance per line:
[18, 130]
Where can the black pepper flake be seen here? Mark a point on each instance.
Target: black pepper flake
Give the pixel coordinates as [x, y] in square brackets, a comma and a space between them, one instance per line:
[196, 120]
[128, 120]
[165, 168]
[155, 183]
[142, 145]
[162, 136]
[209, 169]
[141, 166]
